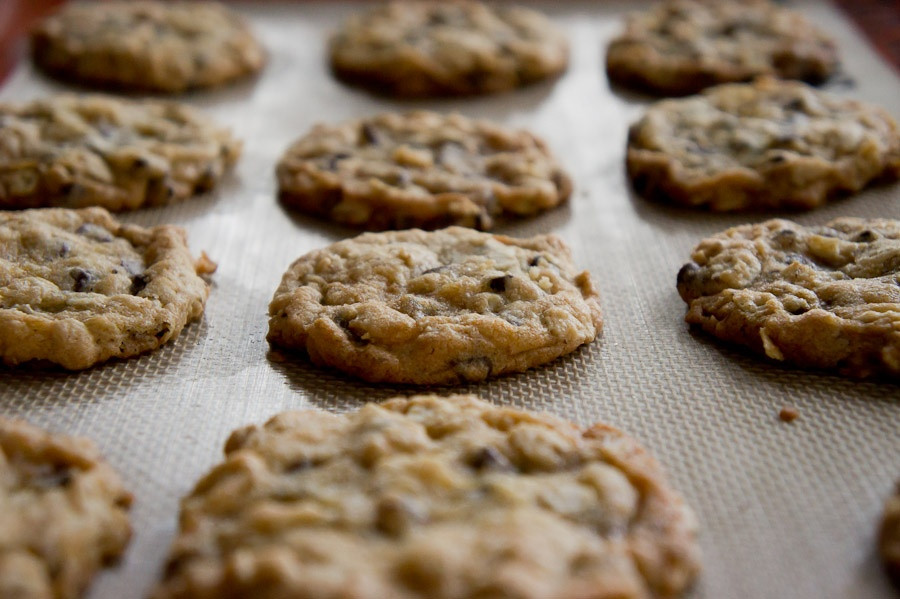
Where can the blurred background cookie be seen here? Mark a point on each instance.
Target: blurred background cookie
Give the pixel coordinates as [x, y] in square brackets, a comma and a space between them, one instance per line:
[679, 47]
[146, 45]
[433, 48]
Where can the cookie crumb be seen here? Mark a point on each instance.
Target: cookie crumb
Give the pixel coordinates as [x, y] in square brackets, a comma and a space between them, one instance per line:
[205, 265]
[788, 414]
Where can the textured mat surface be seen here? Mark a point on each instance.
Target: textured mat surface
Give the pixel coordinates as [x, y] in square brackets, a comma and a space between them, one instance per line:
[787, 510]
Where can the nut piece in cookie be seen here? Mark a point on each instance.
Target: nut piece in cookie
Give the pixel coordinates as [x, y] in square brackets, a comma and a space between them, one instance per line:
[760, 146]
[432, 497]
[889, 538]
[420, 169]
[434, 48]
[146, 45]
[819, 297]
[64, 513]
[76, 151]
[680, 47]
[432, 308]
[78, 288]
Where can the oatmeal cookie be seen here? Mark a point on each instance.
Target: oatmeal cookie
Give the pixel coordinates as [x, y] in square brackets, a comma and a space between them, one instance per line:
[433, 48]
[889, 537]
[76, 151]
[420, 169]
[432, 497]
[820, 297]
[680, 47]
[442, 307]
[78, 288]
[765, 145]
[146, 45]
[63, 513]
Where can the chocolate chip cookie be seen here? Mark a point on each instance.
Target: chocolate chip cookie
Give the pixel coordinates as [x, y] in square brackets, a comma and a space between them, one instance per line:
[433, 48]
[146, 45]
[679, 47]
[819, 297]
[63, 513]
[432, 497]
[78, 288]
[766, 145]
[441, 307]
[76, 151]
[420, 169]
[889, 537]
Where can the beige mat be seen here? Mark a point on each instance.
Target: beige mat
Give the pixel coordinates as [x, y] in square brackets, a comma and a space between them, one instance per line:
[788, 510]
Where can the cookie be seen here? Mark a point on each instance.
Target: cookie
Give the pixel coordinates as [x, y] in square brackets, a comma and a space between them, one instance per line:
[889, 537]
[818, 297]
[76, 151]
[441, 307]
[146, 45]
[765, 145]
[680, 47]
[78, 288]
[420, 169]
[433, 48]
[63, 513]
[432, 497]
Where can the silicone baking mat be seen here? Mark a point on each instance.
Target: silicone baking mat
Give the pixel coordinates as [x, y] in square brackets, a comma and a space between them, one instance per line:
[787, 510]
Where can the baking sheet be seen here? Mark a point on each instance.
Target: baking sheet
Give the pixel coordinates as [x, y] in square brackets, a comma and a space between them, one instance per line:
[787, 510]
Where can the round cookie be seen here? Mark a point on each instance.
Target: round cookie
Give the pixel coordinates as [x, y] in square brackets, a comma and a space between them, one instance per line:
[76, 151]
[432, 497]
[78, 288]
[146, 45]
[433, 48]
[680, 47]
[63, 513]
[420, 169]
[431, 308]
[889, 537]
[821, 297]
[766, 145]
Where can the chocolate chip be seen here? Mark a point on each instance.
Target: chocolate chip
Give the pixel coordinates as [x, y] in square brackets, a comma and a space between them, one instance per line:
[64, 249]
[474, 369]
[536, 260]
[335, 158]
[688, 274]
[139, 282]
[162, 332]
[498, 284]
[489, 458]
[796, 104]
[84, 280]
[866, 236]
[370, 134]
[344, 322]
[49, 477]
[94, 232]
[139, 163]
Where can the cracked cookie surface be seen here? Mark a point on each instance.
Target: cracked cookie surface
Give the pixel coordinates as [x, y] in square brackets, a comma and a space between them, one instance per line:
[432, 497]
[76, 151]
[78, 288]
[820, 297]
[420, 169]
[427, 49]
[63, 513]
[432, 308]
[140, 45]
[766, 145]
[680, 47]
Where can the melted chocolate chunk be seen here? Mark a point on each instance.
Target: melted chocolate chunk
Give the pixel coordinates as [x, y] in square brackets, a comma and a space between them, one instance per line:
[139, 283]
[866, 236]
[490, 458]
[84, 280]
[94, 232]
[498, 284]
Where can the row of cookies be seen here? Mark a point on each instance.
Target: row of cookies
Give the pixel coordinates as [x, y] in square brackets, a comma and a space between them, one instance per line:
[500, 285]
